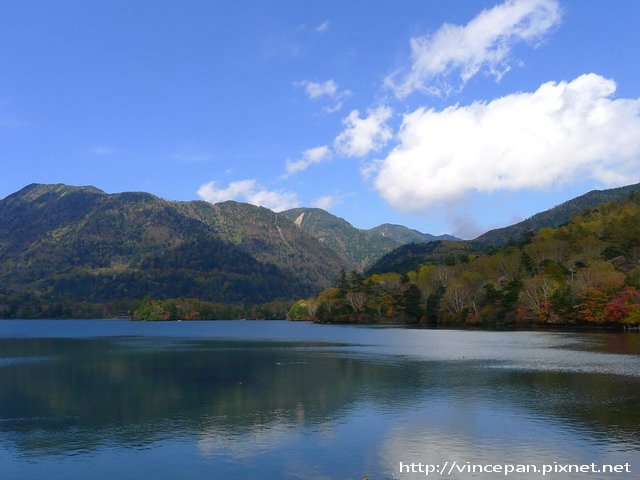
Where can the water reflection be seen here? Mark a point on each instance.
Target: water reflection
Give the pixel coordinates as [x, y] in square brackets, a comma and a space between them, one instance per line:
[320, 409]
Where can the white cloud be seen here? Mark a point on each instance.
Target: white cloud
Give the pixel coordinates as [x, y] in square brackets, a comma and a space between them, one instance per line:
[249, 191]
[319, 89]
[369, 169]
[333, 108]
[482, 45]
[323, 27]
[328, 89]
[364, 135]
[309, 157]
[562, 132]
[326, 202]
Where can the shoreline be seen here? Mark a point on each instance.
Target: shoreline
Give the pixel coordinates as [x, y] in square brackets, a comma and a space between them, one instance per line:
[560, 328]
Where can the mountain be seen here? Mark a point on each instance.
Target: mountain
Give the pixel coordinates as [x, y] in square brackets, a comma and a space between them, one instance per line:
[79, 243]
[360, 248]
[553, 217]
[584, 272]
[269, 237]
[407, 257]
[403, 235]
[410, 256]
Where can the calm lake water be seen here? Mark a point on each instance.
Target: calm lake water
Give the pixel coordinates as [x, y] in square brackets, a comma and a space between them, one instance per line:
[278, 400]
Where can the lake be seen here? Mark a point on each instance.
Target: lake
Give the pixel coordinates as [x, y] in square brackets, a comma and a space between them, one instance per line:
[95, 399]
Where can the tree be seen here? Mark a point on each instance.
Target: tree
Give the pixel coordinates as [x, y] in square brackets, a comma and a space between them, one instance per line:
[355, 282]
[342, 284]
[412, 300]
[537, 295]
[299, 311]
[357, 301]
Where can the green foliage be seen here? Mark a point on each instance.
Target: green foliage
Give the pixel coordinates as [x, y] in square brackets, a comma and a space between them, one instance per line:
[611, 252]
[527, 262]
[299, 311]
[413, 302]
[355, 282]
[195, 309]
[409, 257]
[150, 309]
[342, 284]
[432, 305]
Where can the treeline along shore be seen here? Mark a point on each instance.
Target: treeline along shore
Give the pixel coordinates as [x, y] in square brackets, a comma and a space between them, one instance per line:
[583, 273]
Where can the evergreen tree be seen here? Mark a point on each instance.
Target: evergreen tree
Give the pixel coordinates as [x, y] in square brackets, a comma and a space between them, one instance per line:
[342, 284]
[412, 302]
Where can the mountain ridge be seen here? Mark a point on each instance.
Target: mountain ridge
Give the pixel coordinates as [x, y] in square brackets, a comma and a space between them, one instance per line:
[80, 242]
[408, 257]
[361, 247]
[555, 216]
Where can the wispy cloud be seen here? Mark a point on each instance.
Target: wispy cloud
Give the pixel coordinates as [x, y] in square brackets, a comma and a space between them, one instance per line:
[319, 89]
[364, 135]
[327, 89]
[530, 140]
[309, 157]
[327, 202]
[445, 60]
[323, 27]
[249, 191]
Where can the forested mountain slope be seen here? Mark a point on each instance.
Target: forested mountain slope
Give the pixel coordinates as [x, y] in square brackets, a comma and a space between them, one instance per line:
[585, 272]
[407, 257]
[79, 243]
[553, 217]
[360, 247]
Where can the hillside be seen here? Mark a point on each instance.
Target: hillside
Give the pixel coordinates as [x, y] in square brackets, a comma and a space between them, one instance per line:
[585, 272]
[404, 235]
[408, 257]
[359, 247]
[269, 237]
[66, 243]
[553, 217]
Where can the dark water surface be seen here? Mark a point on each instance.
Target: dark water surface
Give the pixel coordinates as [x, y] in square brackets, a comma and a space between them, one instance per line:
[277, 400]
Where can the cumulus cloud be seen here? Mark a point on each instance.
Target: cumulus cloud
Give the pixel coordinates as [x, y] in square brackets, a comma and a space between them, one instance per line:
[328, 89]
[309, 157]
[447, 59]
[323, 27]
[364, 135]
[249, 191]
[560, 133]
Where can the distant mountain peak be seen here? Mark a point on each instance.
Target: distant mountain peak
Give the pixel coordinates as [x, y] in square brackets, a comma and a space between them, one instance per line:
[33, 191]
[360, 247]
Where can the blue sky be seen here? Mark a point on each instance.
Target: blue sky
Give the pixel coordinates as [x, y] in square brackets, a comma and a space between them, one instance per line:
[448, 117]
